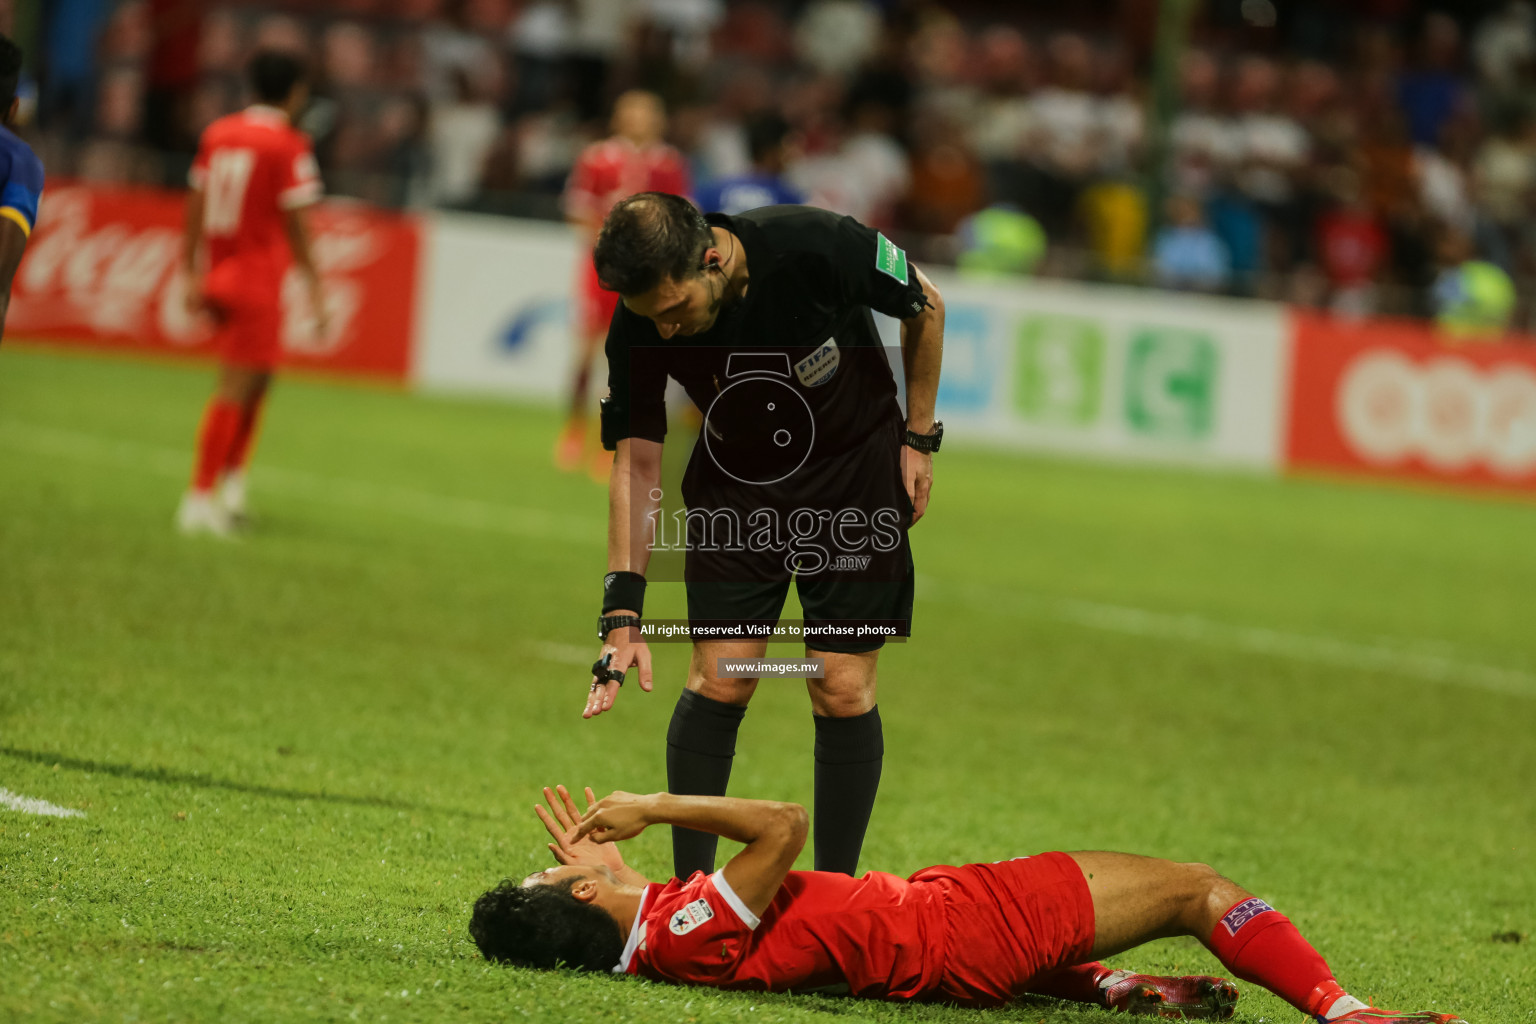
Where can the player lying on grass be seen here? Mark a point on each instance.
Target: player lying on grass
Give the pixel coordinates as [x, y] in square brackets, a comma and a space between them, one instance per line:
[979, 934]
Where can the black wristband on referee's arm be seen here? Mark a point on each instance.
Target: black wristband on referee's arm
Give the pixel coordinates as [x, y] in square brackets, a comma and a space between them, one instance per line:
[609, 416]
[624, 590]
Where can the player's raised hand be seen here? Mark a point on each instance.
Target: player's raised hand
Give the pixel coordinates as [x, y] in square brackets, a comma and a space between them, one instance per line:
[615, 817]
[568, 847]
[623, 651]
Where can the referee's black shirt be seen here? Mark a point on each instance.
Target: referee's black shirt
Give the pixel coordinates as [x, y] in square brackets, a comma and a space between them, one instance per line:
[814, 276]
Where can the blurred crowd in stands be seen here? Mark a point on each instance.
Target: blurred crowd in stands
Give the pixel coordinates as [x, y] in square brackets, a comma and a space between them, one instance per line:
[1364, 156]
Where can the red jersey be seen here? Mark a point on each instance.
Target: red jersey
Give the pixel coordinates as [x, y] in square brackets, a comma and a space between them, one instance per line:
[251, 167]
[878, 936]
[608, 171]
[975, 934]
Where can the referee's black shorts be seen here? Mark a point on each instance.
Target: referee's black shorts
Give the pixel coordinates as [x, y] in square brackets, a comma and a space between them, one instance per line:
[841, 538]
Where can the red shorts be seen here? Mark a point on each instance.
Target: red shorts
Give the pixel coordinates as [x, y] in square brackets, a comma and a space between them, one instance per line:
[247, 307]
[594, 303]
[1008, 922]
[249, 336]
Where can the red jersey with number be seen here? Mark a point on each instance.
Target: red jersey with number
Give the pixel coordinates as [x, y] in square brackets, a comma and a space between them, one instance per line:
[608, 171]
[251, 167]
[974, 934]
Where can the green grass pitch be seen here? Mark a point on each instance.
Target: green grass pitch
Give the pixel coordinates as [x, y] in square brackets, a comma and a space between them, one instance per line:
[302, 756]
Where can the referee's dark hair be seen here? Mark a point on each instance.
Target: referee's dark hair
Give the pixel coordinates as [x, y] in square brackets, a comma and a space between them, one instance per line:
[10, 71]
[648, 237]
[544, 926]
[274, 73]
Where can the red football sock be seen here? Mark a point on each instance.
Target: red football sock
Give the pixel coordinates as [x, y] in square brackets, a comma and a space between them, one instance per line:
[1259, 944]
[221, 421]
[245, 435]
[1080, 984]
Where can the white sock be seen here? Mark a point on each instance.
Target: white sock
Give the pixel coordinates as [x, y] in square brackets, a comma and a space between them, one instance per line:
[233, 489]
[1342, 1005]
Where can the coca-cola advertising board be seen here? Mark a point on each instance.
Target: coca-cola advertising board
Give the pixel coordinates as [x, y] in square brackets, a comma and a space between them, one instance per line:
[1392, 399]
[103, 268]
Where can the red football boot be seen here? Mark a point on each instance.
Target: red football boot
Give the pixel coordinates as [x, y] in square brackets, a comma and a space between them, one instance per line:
[1190, 998]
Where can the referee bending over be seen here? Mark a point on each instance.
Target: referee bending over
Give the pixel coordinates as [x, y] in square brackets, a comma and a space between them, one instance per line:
[805, 469]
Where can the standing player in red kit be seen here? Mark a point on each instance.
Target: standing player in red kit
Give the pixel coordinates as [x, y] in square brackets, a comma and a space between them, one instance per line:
[252, 179]
[634, 159]
[977, 934]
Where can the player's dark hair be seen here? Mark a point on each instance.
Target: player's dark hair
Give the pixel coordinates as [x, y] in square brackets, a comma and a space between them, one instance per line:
[544, 926]
[648, 237]
[765, 133]
[10, 70]
[274, 73]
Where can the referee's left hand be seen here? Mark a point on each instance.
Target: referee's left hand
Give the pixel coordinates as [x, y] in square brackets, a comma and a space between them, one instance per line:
[917, 474]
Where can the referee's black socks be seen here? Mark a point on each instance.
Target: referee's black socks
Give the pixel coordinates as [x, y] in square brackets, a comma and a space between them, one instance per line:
[849, 753]
[701, 741]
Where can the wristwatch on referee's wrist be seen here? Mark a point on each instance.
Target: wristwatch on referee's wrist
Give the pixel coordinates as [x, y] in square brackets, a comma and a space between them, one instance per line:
[608, 623]
[928, 442]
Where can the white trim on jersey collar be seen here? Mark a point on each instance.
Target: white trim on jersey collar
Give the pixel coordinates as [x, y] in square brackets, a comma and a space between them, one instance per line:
[748, 918]
[636, 935]
[266, 112]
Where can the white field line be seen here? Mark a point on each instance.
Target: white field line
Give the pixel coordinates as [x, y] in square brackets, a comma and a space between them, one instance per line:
[1302, 647]
[567, 654]
[27, 805]
[472, 514]
[426, 506]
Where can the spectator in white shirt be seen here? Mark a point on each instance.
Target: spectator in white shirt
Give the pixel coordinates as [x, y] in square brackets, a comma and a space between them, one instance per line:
[462, 133]
[1063, 147]
[1204, 142]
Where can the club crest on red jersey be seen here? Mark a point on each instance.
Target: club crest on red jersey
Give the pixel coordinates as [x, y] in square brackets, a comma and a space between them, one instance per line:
[690, 917]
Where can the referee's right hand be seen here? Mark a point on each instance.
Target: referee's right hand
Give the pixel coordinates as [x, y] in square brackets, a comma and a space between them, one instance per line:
[627, 650]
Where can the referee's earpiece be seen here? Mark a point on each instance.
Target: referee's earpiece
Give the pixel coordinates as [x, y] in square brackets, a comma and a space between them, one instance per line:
[714, 265]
